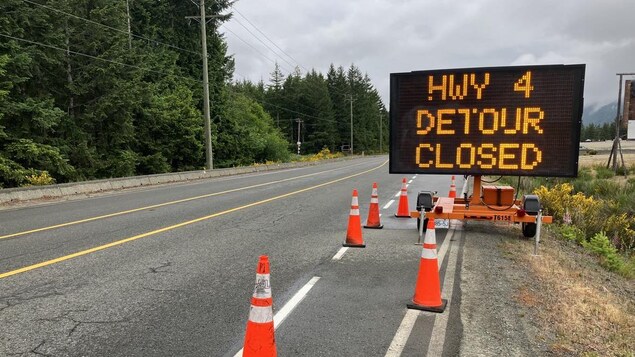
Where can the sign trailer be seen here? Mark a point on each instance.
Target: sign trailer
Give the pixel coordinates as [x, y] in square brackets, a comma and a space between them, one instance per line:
[511, 121]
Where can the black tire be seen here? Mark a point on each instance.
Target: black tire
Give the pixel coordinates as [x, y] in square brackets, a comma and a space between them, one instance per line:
[529, 230]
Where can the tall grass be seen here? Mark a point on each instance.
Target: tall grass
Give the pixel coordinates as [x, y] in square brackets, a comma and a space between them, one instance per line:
[602, 208]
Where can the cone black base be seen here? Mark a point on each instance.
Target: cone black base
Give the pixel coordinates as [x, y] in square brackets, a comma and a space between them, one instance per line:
[402, 216]
[438, 309]
[375, 227]
[354, 245]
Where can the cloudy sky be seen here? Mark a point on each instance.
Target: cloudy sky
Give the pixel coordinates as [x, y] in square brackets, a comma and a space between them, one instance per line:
[386, 36]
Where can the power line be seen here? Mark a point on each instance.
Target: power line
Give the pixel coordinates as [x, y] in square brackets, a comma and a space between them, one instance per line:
[259, 40]
[250, 45]
[261, 101]
[110, 27]
[267, 37]
[93, 57]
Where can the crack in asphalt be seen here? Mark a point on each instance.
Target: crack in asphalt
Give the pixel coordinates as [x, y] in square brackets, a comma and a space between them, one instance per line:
[162, 290]
[35, 350]
[16, 299]
[78, 322]
[157, 270]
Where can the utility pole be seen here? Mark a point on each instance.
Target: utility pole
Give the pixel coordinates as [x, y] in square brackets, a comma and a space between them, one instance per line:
[209, 156]
[617, 146]
[350, 97]
[299, 121]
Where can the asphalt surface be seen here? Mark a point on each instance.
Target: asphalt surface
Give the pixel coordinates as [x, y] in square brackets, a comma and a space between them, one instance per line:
[142, 275]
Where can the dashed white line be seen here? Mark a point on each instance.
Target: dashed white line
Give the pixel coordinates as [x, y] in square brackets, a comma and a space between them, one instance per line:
[398, 193]
[279, 317]
[409, 182]
[388, 204]
[340, 253]
[295, 300]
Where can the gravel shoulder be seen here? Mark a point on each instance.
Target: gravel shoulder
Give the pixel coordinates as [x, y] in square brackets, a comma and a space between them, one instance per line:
[494, 322]
[559, 303]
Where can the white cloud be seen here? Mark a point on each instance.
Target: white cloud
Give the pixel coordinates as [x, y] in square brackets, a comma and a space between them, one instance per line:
[382, 36]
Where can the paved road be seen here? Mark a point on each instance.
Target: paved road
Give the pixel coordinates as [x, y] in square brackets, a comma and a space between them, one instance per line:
[170, 270]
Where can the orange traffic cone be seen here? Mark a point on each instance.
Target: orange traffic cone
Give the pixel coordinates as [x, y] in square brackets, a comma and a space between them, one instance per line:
[402, 209]
[452, 193]
[428, 289]
[259, 338]
[354, 232]
[373, 213]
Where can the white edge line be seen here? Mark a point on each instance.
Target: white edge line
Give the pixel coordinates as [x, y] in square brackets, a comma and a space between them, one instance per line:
[405, 328]
[409, 182]
[389, 204]
[340, 253]
[398, 193]
[279, 317]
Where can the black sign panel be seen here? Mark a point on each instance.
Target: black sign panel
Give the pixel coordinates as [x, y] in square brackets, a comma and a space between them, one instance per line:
[513, 121]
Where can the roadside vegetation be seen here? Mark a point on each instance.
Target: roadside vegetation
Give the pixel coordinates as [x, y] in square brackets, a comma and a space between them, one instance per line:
[596, 211]
[581, 288]
[80, 100]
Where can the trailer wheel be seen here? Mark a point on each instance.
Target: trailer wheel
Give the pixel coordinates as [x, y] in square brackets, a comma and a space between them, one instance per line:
[529, 230]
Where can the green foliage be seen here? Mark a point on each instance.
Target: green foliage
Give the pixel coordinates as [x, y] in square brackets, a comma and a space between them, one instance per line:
[572, 233]
[602, 172]
[132, 106]
[600, 245]
[597, 132]
[602, 212]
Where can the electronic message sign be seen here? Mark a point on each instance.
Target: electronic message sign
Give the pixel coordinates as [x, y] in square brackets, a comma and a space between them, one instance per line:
[513, 121]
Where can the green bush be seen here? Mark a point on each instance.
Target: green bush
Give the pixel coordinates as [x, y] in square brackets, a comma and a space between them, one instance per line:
[602, 172]
[572, 233]
[602, 247]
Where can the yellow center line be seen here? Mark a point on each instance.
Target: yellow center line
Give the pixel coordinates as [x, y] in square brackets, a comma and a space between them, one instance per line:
[182, 224]
[110, 215]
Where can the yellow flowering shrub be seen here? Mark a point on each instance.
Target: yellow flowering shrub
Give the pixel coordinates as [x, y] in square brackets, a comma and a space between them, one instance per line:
[39, 179]
[620, 229]
[557, 200]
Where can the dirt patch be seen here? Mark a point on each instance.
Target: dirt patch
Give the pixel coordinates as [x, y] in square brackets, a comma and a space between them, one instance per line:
[582, 308]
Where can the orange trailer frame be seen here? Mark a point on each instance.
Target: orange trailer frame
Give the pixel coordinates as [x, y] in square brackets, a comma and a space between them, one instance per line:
[475, 209]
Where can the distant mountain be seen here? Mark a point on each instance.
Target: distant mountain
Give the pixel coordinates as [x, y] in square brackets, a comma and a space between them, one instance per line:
[599, 116]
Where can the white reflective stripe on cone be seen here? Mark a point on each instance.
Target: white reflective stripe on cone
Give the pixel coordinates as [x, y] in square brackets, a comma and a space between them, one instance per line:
[261, 314]
[354, 202]
[430, 237]
[427, 253]
[355, 212]
[374, 200]
[262, 290]
[404, 193]
[374, 192]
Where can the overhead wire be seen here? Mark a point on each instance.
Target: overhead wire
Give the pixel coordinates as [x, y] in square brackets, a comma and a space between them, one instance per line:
[263, 43]
[267, 37]
[94, 57]
[111, 28]
[167, 45]
[250, 45]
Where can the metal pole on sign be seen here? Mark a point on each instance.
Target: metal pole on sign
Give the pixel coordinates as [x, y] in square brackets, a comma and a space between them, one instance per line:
[538, 227]
[422, 216]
